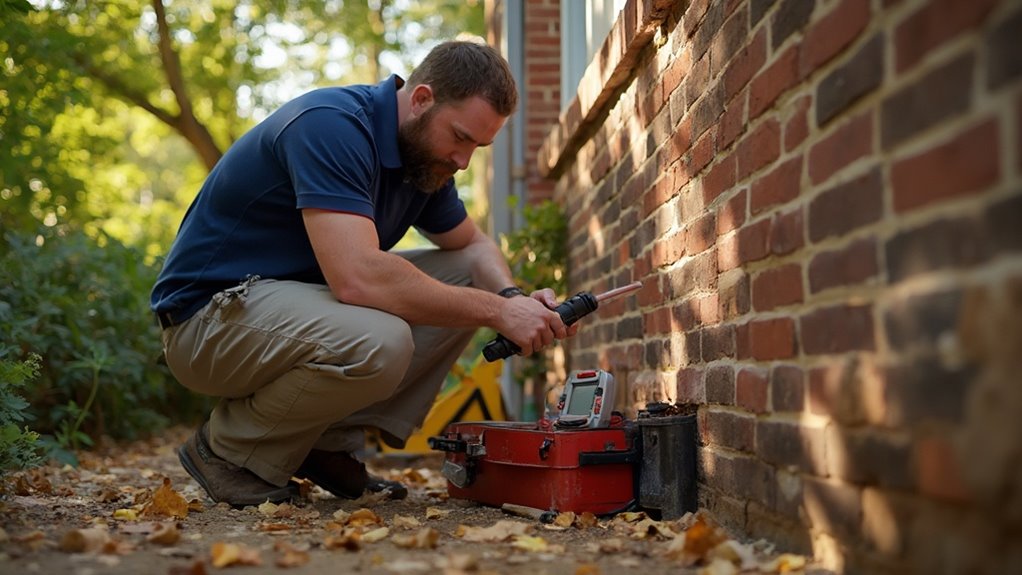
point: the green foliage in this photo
(82, 305)
(18, 447)
(537, 251)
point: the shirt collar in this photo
(385, 122)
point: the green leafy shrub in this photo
(18, 446)
(82, 304)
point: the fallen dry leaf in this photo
(587, 569)
(530, 543)
(198, 567)
(586, 520)
(458, 563)
(378, 534)
(564, 520)
(290, 556)
(348, 539)
(784, 563)
(425, 538)
(405, 522)
(164, 534)
(719, 567)
(224, 554)
(499, 531)
(436, 513)
(126, 514)
(363, 517)
(267, 508)
(167, 502)
(273, 527)
(89, 540)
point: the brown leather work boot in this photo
(223, 480)
(344, 476)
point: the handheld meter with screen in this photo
(587, 401)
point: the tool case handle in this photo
(608, 457)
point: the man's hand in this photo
(531, 323)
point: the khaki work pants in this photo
(296, 369)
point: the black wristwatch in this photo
(510, 292)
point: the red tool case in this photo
(540, 466)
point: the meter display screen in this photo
(582, 395)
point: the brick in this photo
(753, 479)
(766, 339)
(707, 30)
(1004, 60)
(701, 154)
(784, 444)
(969, 164)
(850, 390)
(886, 521)
(728, 41)
(777, 287)
(698, 273)
(845, 85)
(832, 34)
(837, 329)
(701, 234)
(681, 140)
(790, 534)
(1003, 230)
(761, 147)
(732, 122)
(690, 388)
(720, 385)
(939, 469)
(719, 179)
(731, 214)
(867, 455)
(787, 232)
(753, 242)
(846, 207)
(941, 95)
(707, 109)
(779, 186)
(751, 390)
(846, 144)
(791, 16)
(921, 320)
(776, 79)
(718, 342)
(923, 389)
(935, 23)
(733, 290)
(757, 9)
(796, 130)
(848, 266)
(730, 430)
(833, 507)
(787, 388)
(937, 245)
(745, 64)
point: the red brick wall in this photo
(823, 200)
(542, 87)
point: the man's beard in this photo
(422, 169)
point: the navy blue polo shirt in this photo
(333, 149)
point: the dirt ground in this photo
(117, 514)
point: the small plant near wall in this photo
(537, 254)
(18, 445)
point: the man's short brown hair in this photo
(458, 70)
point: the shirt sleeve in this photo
(330, 156)
(443, 211)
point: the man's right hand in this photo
(529, 323)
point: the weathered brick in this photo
(779, 186)
(707, 30)
(777, 287)
(1003, 228)
(629, 328)
(937, 245)
(789, 534)
(732, 122)
(939, 469)
(850, 390)
(787, 388)
(761, 147)
(718, 342)
(753, 241)
(720, 384)
(832, 33)
(847, 266)
(852, 80)
(937, 97)
(787, 231)
(731, 430)
(1004, 61)
(751, 390)
(766, 339)
(728, 41)
(783, 443)
(719, 179)
(707, 109)
(934, 24)
(757, 8)
(690, 387)
(702, 153)
(701, 234)
(833, 507)
(791, 16)
(870, 456)
(745, 64)
(731, 214)
(846, 207)
(921, 319)
(849, 142)
(838, 329)
(968, 164)
(796, 130)
(733, 288)
(924, 389)
(772, 82)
